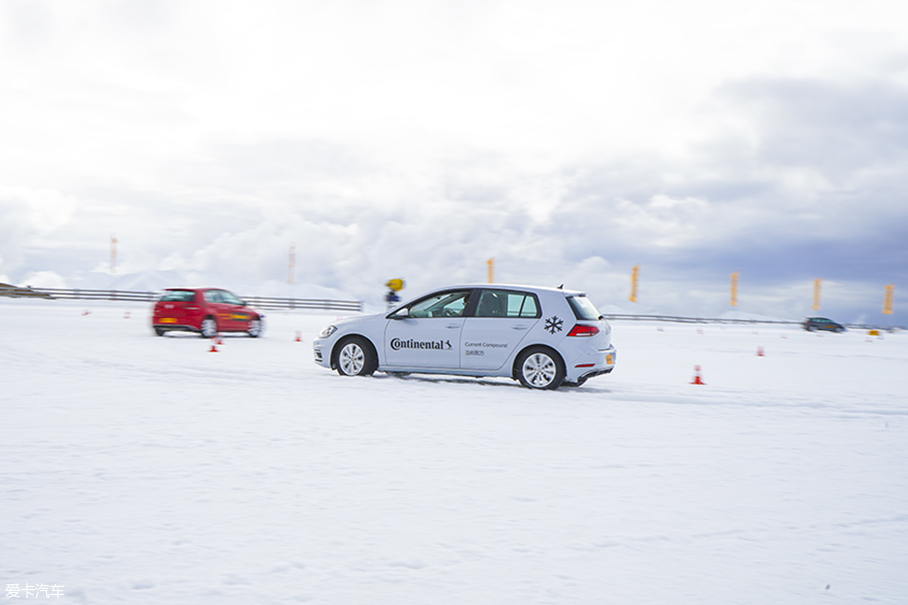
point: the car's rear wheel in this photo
(209, 328)
(159, 331)
(355, 357)
(255, 328)
(540, 368)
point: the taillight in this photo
(581, 330)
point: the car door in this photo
(426, 333)
(235, 310)
(499, 324)
(220, 309)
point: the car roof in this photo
(192, 289)
(511, 287)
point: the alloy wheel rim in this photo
(352, 359)
(208, 328)
(539, 370)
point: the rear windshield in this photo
(583, 308)
(178, 296)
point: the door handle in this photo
(453, 326)
(519, 327)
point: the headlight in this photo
(327, 331)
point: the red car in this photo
(206, 311)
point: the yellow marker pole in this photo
(634, 272)
(291, 264)
(816, 294)
(734, 289)
(113, 255)
(491, 264)
(888, 299)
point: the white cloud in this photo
(44, 279)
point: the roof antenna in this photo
(561, 287)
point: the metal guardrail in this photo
(720, 320)
(260, 302)
(696, 320)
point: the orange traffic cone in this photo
(299, 336)
(697, 379)
(760, 352)
(214, 348)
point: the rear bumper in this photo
(175, 328)
(590, 364)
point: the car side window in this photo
(507, 303)
(445, 304)
(230, 298)
(211, 296)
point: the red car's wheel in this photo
(255, 328)
(209, 328)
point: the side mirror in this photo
(401, 314)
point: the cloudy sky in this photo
(569, 140)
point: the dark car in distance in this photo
(812, 324)
(206, 311)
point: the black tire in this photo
(208, 328)
(355, 356)
(159, 331)
(255, 328)
(539, 368)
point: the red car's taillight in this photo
(581, 330)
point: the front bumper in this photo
(321, 350)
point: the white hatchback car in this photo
(543, 337)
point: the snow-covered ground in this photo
(137, 469)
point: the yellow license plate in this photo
(168, 320)
(609, 360)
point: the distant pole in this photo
(816, 294)
(734, 289)
(634, 273)
(491, 264)
(113, 255)
(888, 299)
(291, 264)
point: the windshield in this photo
(446, 304)
(178, 296)
(583, 308)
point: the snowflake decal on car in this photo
(553, 324)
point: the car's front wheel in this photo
(255, 328)
(355, 357)
(540, 368)
(209, 328)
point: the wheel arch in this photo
(533, 345)
(335, 349)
